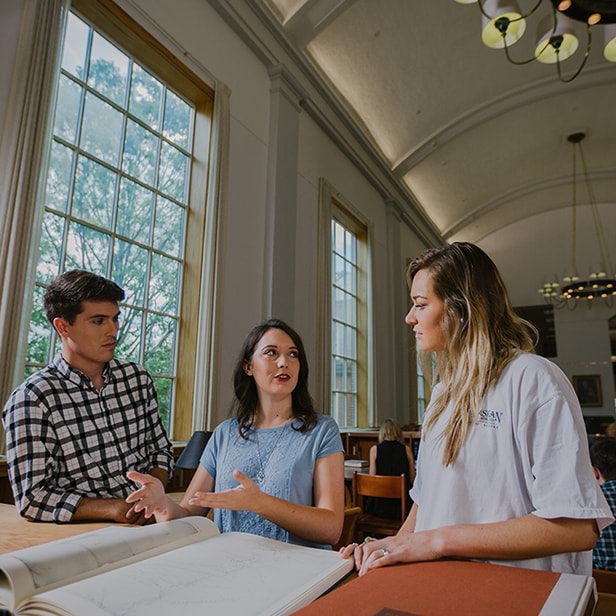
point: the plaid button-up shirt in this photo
(66, 440)
(604, 553)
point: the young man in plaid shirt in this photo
(603, 458)
(75, 428)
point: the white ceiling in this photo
(480, 143)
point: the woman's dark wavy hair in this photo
(245, 406)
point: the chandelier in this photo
(599, 286)
(503, 24)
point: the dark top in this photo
(391, 459)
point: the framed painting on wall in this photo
(588, 389)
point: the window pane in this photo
(343, 340)
(164, 395)
(145, 97)
(94, 193)
(108, 70)
(169, 227)
(351, 376)
(351, 410)
(350, 246)
(178, 119)
(338, 376)
(135, 211)
(67, 109)
(50, 248)
(344, 307)
(130, 271)
(101, 130)
(87, 249)
(75, 43)
(159, 338)
(164, 284)
(58, 177)
(338, 239)
(39, 335)
(140, 151)
(173, 172)
(339, 408)
(338, 274)
(350, 278)
(129, 339)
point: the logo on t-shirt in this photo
(489, 419)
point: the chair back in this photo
(348, 529)
(380, 486)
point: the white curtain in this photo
(206, 388)
(22, 154)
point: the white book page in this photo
(230, 574)
(24, 573)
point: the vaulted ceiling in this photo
(480, 143)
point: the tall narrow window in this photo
(117, 198)
(349, 321)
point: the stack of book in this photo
(352, 466)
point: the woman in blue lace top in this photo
(276, 467)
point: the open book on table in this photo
(180, 567)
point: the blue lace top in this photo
(287, 458)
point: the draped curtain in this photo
(23, 152)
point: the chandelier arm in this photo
(547, 42)
(518, 62)
(569, 79)
(573, 216)
(603, 249)
(520, 18)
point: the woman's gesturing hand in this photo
(244, 497)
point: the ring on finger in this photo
(369, 539)
(385, 552)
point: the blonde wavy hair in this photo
(483, 335)
(390, 430)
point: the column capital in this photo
(283, 82)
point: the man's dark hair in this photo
(66, 292)
(603, 457)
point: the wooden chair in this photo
(379, 486)
(605, 580)
(348, 529)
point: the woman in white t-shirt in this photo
(504, 473)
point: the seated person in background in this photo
(75, 428)
(603, 458)
(276, 468)
(611, 430)
(390, 457)
(504, 473)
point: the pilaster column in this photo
(281, 212)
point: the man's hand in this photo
(108, 509)
(149, 498)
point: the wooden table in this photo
(18, 533)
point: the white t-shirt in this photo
(527, 453)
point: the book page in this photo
(233, 573)
(26, 572)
